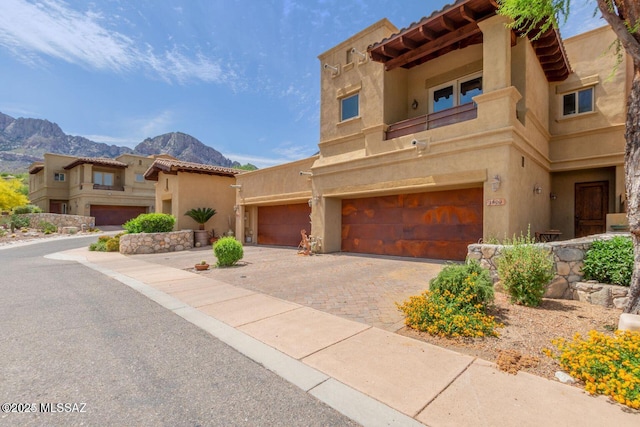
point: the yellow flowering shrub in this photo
(450, 314)
(608, 365)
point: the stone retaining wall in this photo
(568, 257)
(61, 220)
(151, 243)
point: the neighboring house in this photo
(181, 186)
(111, 190)
(451, 130)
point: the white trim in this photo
(456, 89)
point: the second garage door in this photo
(436, 225)
(115, 215)
(280, 225)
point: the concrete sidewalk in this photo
(373, 376)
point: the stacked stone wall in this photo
(83, 223)
(568, 283)
(151, 243)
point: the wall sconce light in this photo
(553, 196)
(420, 145)
(333, 68)
(495, 183)
(306, 173)
(414, 104)
(312, 201)
(537, 189)
(86, 206)
(355, 51)
(238, 186)
(236, 208)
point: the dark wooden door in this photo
(592, 202)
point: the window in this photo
(455, 93)
(139, 177)
(58, 177)
(577, 102)
(103, 178)
(349, 107)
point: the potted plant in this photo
(201, 216)
(202, 266)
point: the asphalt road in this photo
(75, 340)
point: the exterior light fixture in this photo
(414, 104)
(495, 183)
(537, 189)
(306, 173)
(238, 186)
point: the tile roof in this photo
(171, 166)
(101, 161)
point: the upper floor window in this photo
(349, 107)
(455, 93)
(103, 178)
(578, 102)
(139, 177)
(59, 177)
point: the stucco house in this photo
(451, 130)
(111, 190)
(181, 186)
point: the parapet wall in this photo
(568, 259)
(151, 243)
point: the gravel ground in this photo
(527, 330)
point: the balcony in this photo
(431, 121)
(107, 187)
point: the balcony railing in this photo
(431, 121)
(107, 187)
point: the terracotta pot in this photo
(201, 267)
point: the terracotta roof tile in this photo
(102, 161)
(171, 166)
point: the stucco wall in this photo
(186, 191)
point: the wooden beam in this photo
(426, 33)
(544, 42)
(407, 43)
(494, 3)
(468, 30)
(550, 59)
(468, 13)
(389, 51)
(548, 51)
(447, 23)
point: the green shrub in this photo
(19, 221)
(150, 223)
(106, 244)
(228, 251)
(456, 278)
(610, 261)
(201, 215)
(524, 270)
(455, 305)
(47, 227)
(26, 209)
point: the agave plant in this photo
(201, 215)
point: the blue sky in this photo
(241, 76)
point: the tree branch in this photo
(631, 45)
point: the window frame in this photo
(576, 106)
(59, 177)
(342, 109)
(455, 84)
(102, 175)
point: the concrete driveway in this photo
(357, 287)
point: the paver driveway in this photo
(357, 287)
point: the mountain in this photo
(24, 140)
(183, 147)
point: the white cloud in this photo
(52, 29)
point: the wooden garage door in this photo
(280, 225)
(115, 215)
(436, 225)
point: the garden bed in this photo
(527, 330)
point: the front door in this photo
(592, 201)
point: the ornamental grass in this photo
(608, 365)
